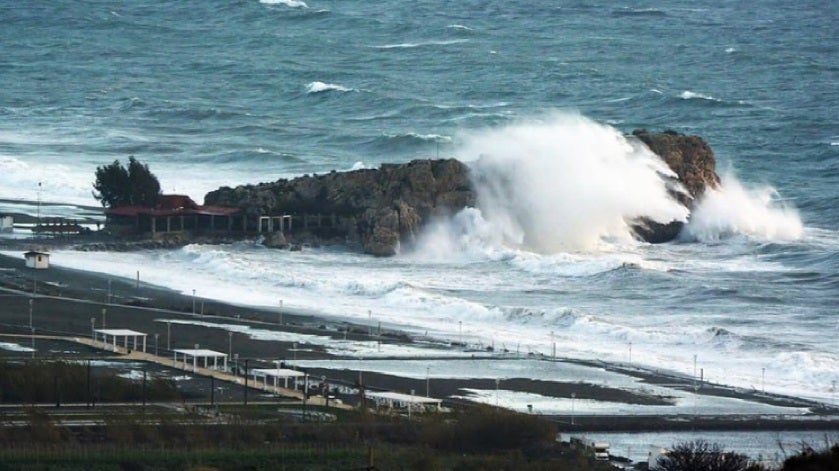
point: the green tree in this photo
(117, 185)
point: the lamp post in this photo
(168, 335)
(33, 342)
(370, 317)
(427, 381)
(109, 291)
(497, 383)
(763, 380)
(460, 332)
(294, 350)
(93, 330)
(104, 313)
(281, 312)
(193, 301)
(156, 335)
(573, 397)
(230, 344)
(30, 312)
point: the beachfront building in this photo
(173, 213)
(276, 374)
(37, 260)
(7, 223)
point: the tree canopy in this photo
(135, 185)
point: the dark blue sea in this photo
(217, 92)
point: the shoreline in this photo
(67, 299)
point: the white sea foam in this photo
(736, 210)
(730, 50)
(421, 44)
(689, 95)
(14, 347)
(288, 3)
(460, 27)
(565, 183)
(318, 87)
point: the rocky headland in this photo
(380, 209)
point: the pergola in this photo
(119, 335)
(391, 399)
(196, 353)
(276, 373)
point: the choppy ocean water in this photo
(219, 93)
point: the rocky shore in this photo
(382, 209)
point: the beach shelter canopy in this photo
(276, 373)
(392, 399)
(196, 353)
(120, 335)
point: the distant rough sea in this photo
(214, 92)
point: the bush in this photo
(700, 455)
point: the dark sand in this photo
(66, 300)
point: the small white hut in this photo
(7, 223)
(37, 260)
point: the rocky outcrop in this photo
(694, 164)
(378, 208)
(383, 208)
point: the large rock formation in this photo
(377, 208)
(382, 208)
(693, 162)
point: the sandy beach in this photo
(64, 302)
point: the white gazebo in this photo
(195, 353)
(117, 336)
(276, 374)
(402, 401)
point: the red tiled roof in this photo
(172, 205)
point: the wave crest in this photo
(734, 210)
(319, 87)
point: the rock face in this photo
(694, 164)
(380, 209)
(376, 208)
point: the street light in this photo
(30, 312)
(763, 380)
(230, 344)
(156, 335)
(427, 381)
(281, 312)
(168, 335)
(573, 397)
(193, 301)
(93, 330)
(33, 342)
(104, 312)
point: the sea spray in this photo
(735, 210)
(566, 183)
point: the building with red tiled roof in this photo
(173, 213)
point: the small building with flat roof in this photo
(37, 260)
(392, 399)
(276, 374)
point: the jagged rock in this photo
(379, 209)
(694, 164)
(275, 240)
(375, 208)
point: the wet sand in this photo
(64, 302)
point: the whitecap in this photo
(288, 3)
(421, 44)
(318, 87)
(460, 27)
(730, 50)
(689, 95)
